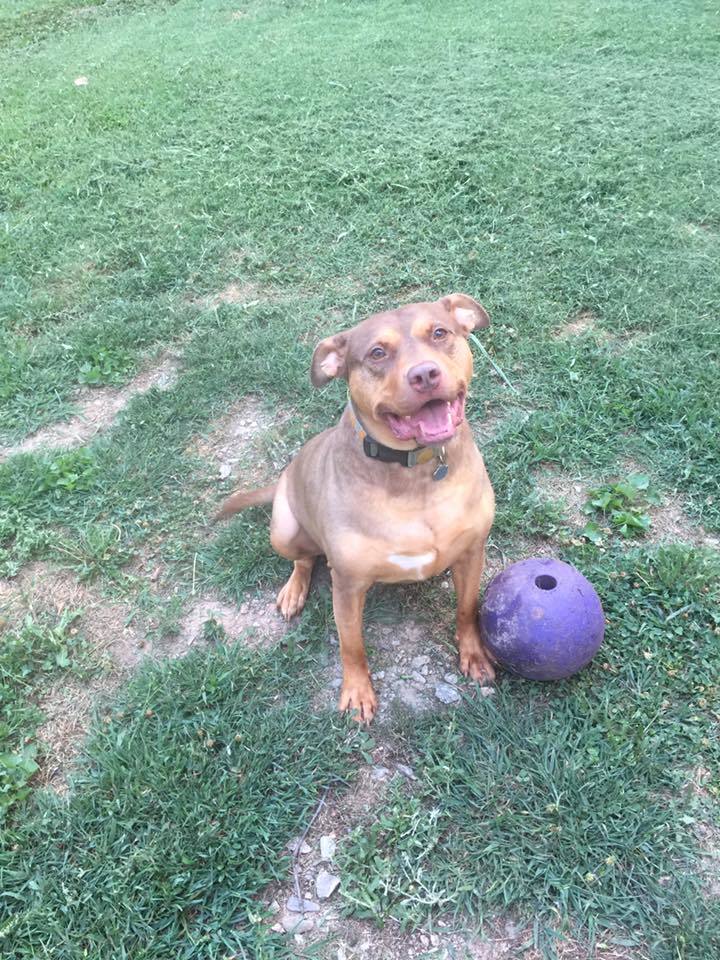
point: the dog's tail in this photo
(246, 498)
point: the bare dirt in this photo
(552, 483)
(256, 621)
(97, 409)
(582, 322)
(238, 443)
(116, 644)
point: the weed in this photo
(623, 504)
(102, 366)
(29, 655)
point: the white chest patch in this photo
(412, 563)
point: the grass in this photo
(564, 803)
(32, 654)
(194, 785)
(332, 159)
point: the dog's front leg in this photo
(357, 694)
(467, 573)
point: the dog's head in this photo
(408, 370)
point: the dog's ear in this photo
(328, 361)
(467, 313)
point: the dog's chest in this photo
(415, 540)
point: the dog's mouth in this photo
(435, 422)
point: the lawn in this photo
(191, 195)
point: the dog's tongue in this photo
(431, 424)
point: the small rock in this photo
(434, 940)
(406, 771)
(336, 683)
(419, 662)
(380, 773)
(424, 940)
(511, 930)
(326, 884)
(380, 675)
(451, 678)
(81, 81)
(298, 905)
(298, 847)
(291, 923)
(445, 585)
(487, 691)
(446, 693)
(418, 677)
(225, 471)
(278, 928)
(274, 907)
(327, 847)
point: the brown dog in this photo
(397, 491)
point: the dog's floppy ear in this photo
(467, 313)
(328, 361)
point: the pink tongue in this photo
(433, 422)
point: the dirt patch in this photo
(582, 322)
(255, 620)
(669, 523)
(240, 443)
(116, 645)
(97, 408)
(242, 293)
(114, 637)
(552, 483)
(69, 707)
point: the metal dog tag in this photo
(441, 470)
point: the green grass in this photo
(564, 803)
(201, 775)
(337, 158)
(34, 652)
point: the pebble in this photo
(327, 847)
(451, 678)
(419, 662)
(406, 771)
(296, 847)
(380, 773)
(380, 675)
(225, 471)
(274, 907)
(298, 905)
(291, 923)
(418, 677)
(326, 884)
(487, 691)
(446, 693)
(336, 684)
(424, 940)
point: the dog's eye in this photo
(439, 333)
(377, 353)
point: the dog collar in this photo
(406, 458)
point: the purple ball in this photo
(542, 619)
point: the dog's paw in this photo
(292, 597)
(358, 697)
(476, 665)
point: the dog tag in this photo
(441, 470)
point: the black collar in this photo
(406, 458)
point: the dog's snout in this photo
(424, 377)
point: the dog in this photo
(397, 491)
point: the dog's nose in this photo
(424, 377)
